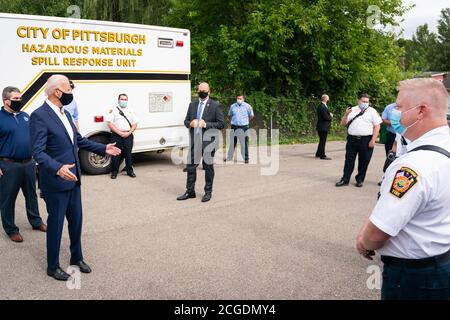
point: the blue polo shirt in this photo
(15, 140)
(240, 114)
(386, 115)
(73, 110)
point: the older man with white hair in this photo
(410, 224)
(55, 142)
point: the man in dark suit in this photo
(324, 117)
(55, 142)
(205, 120)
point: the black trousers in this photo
(357, 146)
(18, 176)
(390, 139)
(126, 145)
(238, 132)
(320, 153)
(199, 150)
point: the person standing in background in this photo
(241, 113)
(324, 117)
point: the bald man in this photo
(410, 224)
(55, 142)
(204, 119)
(324, 117)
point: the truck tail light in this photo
(180, 44)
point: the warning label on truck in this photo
(160, 102)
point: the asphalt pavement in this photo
(290, 235)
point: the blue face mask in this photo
(364, 106)
(123, 104)
(395, 117)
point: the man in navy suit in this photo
(204, 119)
(55, 142)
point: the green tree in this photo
(420, 52)
(285, 53)
(149, 12)
(42, 7)
(444, 40)
(281, 47)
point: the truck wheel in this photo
(94, 164)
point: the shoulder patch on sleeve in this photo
(110, 110)
(404, 180)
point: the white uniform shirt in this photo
(401, 148)
(363, 125)
(62, 116)
(119, 121)
(414, 206)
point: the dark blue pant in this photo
(357, 147)
(18, 176)
(238, 132)
(402, 283)
(390, 139)
(60, 205)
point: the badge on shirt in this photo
(404, 180)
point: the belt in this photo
(359, 137)
(416, 263)
(15, 160)
(115, 134)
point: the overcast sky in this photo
(425, 11)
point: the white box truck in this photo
(150, 64)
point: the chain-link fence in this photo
(292, 119)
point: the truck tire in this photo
(95, 164)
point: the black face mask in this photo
(16, 105)
(202, 94)
(66, 98)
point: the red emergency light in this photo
(98, 119)
(180, 44)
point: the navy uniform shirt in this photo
(15, 135)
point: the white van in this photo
(150, 64)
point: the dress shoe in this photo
(186, 196)
(84, 268)
(359, 184)
(114, 175)
(325, 158)
(42, 228)
(206, 197)
(341, 183)
(16, 237)
(185, 169)
(131, 174)
(58, 274)
(246, 161)
(379, 183)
